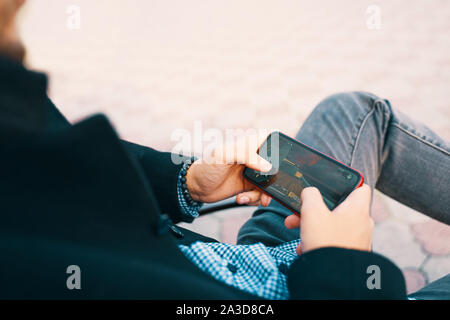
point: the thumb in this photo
(244, 151)
(312, 202)
(258, 163)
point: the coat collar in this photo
(23, 96)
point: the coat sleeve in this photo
(336, 273)
(162, 174)
(160, 170)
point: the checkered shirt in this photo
(256, 268)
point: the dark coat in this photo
(78, 195)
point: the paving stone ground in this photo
(155, 67)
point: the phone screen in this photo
(296, 166)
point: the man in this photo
(76, 197)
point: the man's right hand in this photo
(348, 226)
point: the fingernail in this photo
(244, 199)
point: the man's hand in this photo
(348, 226)
(220, 175)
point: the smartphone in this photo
(296, 166)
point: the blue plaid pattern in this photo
(256, 268)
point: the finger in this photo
(361, 195)
(253, 160)
(359, 198)
(312, 202)
(265, 200)
(372, 225)
(255, 204)
(298, 250)
(244, 151)
(248, 197)
(292, 221)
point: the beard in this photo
(13, 49)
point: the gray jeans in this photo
(400, 157)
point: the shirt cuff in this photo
(189, 212)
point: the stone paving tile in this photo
(436, 267)
(414, 279)
(231, 222)
(434, 236)
(208, 226)
(403, 213)
(394, 240)
(155, 67)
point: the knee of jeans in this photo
(347, 103)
